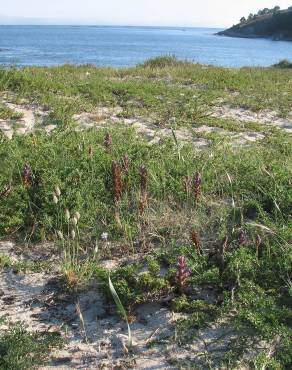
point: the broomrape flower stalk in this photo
(196, 241)
(74, 221)
(27, 175)
(143, 187)
(197, 181)
(117, 182)
(108, 141)
(182, 274)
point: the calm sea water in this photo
(127, 46)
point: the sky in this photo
(185, 13)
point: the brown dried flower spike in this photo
(197, 181)
(182, 274)
(143, 187)
(196, 241)
(108, 141)
(117, 182)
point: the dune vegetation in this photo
(191, 214)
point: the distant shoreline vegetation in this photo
(274, 23)
(159, 62)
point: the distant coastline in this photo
(121, 46)
(274, 25)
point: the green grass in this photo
(21, 350)
(7, 113)
(244, 189)
(153, 89)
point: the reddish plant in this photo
(27, 175)
(108, 141)
(117, 182)
(182, 274)
(196, 241)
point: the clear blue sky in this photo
(211, 13)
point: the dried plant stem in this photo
(79, 312)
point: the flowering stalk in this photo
(182, 274)
(108, 141)
(196, 241)
(197, 181)
(143, 188)
(117, 182)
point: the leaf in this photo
(121, 310)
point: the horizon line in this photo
(106, 25)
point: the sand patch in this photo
(41, 303)
(262, 117)
(31, 117)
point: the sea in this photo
(117, 46)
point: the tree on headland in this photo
(262, 12)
